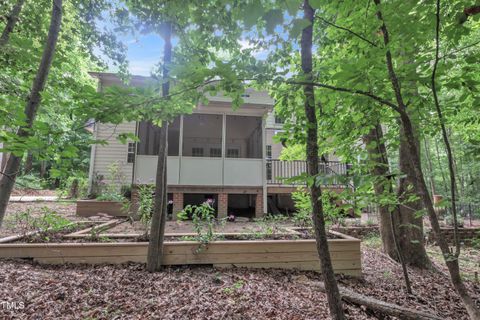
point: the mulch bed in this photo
(129, 292)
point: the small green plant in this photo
(47, 222)
(234, 287)
(303, 216)
(51, 220)
(145, 204)
(270, 225)
(203, 218)
(372, 240)
(75, 186)
(111, 191)
(30, 181)
(93, 234)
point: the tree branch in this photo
(347, 30)
(351, 91)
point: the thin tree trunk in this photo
(13, 164)
(333, 295)
(388, 226)
(27, 168)
(444, 180)
(11, 22)
(451, 164)
(157, 229)
(430, 166)
(421, 186)
(380, 169)
(43, 169)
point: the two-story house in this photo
(215, 152)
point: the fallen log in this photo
(379, 306)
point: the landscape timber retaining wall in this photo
(285, 254)
(87, 208)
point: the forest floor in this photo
(129, 292)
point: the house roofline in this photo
(108, 78)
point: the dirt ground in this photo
(129, 292)
(15, 223)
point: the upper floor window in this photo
(131, 152)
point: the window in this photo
(269, 151)
(131, 152)
(233, 153)
(278, 120)
(197, 152)
(215, 152)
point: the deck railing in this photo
(281, 172)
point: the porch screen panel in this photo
(149, 135)
(244, 137)
(202, 135)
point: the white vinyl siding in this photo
(114, 151)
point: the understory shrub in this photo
(112, 190)
(47, 220)
(30, 181)
(145, 204)
(303, 216)
(334, 211)
(203, 219)
(73, 187)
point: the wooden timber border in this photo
(87, 208)
(284, 254)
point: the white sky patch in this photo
(142, 67)
(257, 52)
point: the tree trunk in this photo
(13, 163)
(333, 295)
(444, 180)
(446, 141)
(410, 222)
(157, 228)
(43, 169)
(412, 151)
(388, 217)
(428, 159)
(11, 22)
(378, 155)
(27, 168)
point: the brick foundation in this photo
(177, 204)
(259, 210)
(222, 205)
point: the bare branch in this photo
(347, 30)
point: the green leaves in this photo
(297, 26)
(253, 11)
(273, 18)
